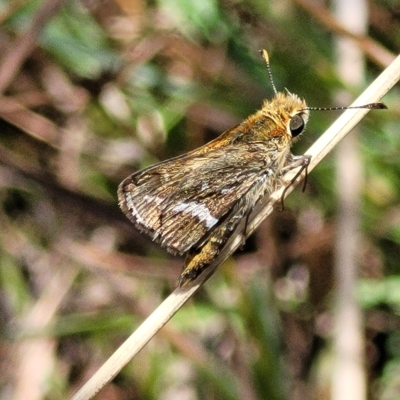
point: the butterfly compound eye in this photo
(296, 125)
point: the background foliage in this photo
(93, 91)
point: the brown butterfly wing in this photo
(180, 201)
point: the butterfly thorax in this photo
(269, 126)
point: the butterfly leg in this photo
(300, 162)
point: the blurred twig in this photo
(23, 46)
(348, 372)
(377, 53)
(34, 358)
(32, 123)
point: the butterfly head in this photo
(289, 114)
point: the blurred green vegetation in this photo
(111, 87)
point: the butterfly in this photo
(193, 204)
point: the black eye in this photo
(296, 125)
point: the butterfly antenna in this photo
(265, 56)
(371, 106)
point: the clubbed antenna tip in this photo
(378, 106)
(265, 56)
(370, 106)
